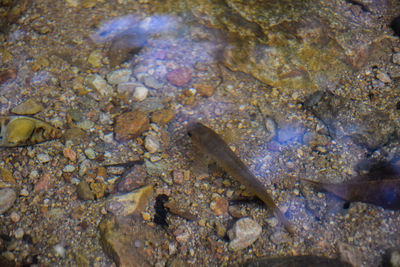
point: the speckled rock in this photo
(132, 178)
(152, 143)
(130, 125)
(219, 205)
(244, 233)
(28, 107)
(180, 77)
(7, 199)
(130, 203)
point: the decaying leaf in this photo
(23, 130)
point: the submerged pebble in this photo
(119, 76)
(7, 199)
(244, 233)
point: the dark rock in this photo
(133, 178)
(84, 191)
(350, 118)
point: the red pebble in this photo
(180, 77)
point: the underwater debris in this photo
(384, 193)
(23, 131)
(210, 143)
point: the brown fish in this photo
(210, 143)
(384, 193)
(23, 130)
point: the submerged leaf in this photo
(384, 193)
(22, 131)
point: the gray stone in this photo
(119, 76)
(244, 233)
(152, 143)
(152, 82)
(7, 199)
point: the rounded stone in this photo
(7, 199)
(244, 233)
(140, 93)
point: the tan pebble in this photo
(69, 154)
(15, 217)
(28, 107)
(6, 176)
(204, 90)
(178, 177)
(146, 216)
(219, 206)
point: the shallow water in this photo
(302, 90)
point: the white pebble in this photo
(15, 217)
(244, 233)
(152, 143)
(68, 168)
(140, 93)
(19, 233)
(43, 158)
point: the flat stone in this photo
(244, 233)
(43, 157)
(29, 107)
(163, 116)
(7, 199)
(130, 203)
(130, 125)
(152, 82)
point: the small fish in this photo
(210, 143)
(23, 130)
(384, 193)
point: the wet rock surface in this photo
(298, 89)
